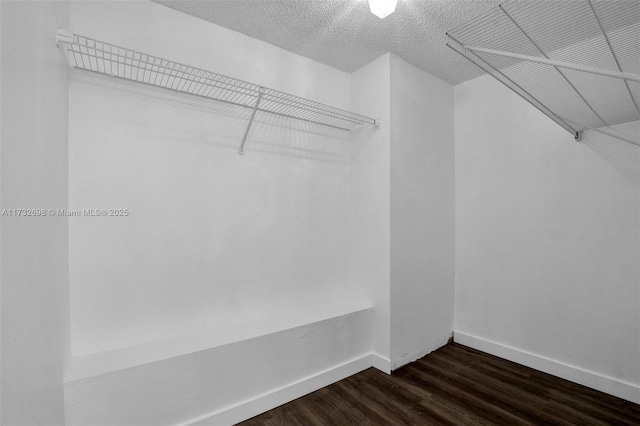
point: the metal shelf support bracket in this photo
(63, 36)
(610, 133)
(253, 115)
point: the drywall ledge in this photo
(610, 385)
(118, 359)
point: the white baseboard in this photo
(610, 385)
(259, 404)
(381, 363)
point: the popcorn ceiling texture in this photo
(345, 34)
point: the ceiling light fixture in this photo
(382, 8)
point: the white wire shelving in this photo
(576, 61)
(104, 58)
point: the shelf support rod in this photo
(561, 64)
(613, 52)
(476, 59)
(253, 115)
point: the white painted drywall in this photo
(547, 235)
(34, 274)
(212, 237)
(1, 204)
(422, 212)
(371, 200)
(133, 356)
(205, 384)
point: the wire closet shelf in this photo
(104, 58)
(576, 61)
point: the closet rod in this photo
(561, 64)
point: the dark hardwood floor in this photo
(454, 385)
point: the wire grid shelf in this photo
(576, 61)
(103, 58)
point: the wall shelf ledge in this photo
(95, 364)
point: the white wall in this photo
(34, 275)
(402, 209)
(212, 237)
(1, 204)
(422, 212)
(371, 201)
(547, 240)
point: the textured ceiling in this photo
(345, 34)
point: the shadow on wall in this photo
(190, 119)
(286, 136)
(622, 156)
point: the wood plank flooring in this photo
(454, 385)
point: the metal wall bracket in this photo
(63, 36)
(606, 132)
(253, 115)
